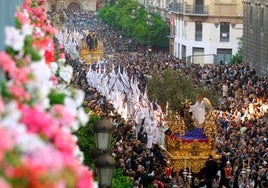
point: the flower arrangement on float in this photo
(39, 110)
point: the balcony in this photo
(196, 10)
(175, 7)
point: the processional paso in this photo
(190, 139)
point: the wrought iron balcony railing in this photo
(196, 9)
(189, 9)
(176, 7)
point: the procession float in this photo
(190, 139)
(90, 48)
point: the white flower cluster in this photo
(39, 87)
(15, 37)
(75, 97)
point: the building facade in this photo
(255, 35)
(160, 7)
(205, 31)
(73, 5)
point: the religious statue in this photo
(200, 109)
(92, 41)
(187, 115)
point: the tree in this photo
(120, 180)
(172, 87)
(118, 16)
(86, 140)
(237, 57)
(86, 143)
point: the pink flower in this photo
(21, 75)
(86, 178)
(49, 29)
(7, 63)
(64, 141)
(6, 142)
(2, 105)
(64, 116)
(54, 79)
(18, 92)
(4, 184)
(27, 3)
(39, 158)
(39, 121)
(62, 55)
(22, 18)
(47, 45)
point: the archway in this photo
(74, 7)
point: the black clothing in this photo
(142, 136)
(211, 169)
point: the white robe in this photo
(150, 135)
(199, 112)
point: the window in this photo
(198, 31)
(183, 52)
(184, 29)
(225, 32)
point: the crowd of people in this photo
(242, 136)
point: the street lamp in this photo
(105, 164)
(149, 24)
(133, 17)
(105, 169)
(133, 13)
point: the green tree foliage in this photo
(86, 143)
(118, 16)
(172, 87)
(86, 140)
(120, 180)
(237, 58)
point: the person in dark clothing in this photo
(142, 135)
(211, 169)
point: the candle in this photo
(184, 163)
(189, 169)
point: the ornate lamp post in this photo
(133, 14)
(133, 17)
(149, 24)
(105, 163)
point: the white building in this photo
(205, 31)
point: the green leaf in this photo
(56, 98)
(17, 23)
(4, 91)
